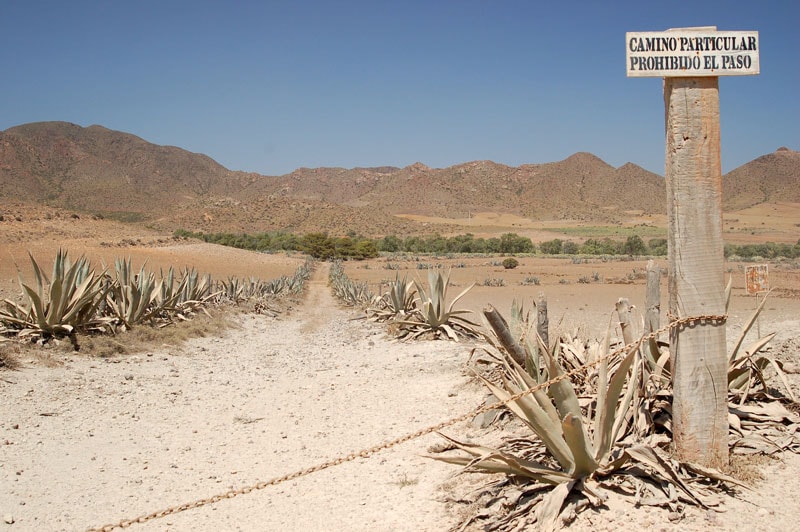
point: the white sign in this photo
(693, 53)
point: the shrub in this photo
(510, 263)
(551, 247)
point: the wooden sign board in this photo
(757, 278)
(691, 53)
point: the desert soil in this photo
(86, 441)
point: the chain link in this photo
(678, 323)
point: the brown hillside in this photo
(99, 171)
(769, 179)
(95, 169)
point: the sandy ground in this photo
(90, 441)
(86, 441)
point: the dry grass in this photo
(748, 468)
(144, 338)
(9, 354)
(137, 340)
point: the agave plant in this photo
(434, 315)
(397, 302)
(234, 290)
(132, 297)
(349, 292)
(584, 451)
(745, 368)
(59, 305)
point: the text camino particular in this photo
(691, 44)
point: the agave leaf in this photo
(39, 276)
(548, 510)
(782, 376)
(37, 307)
(542, 424)
(539, 397)
(56, 302)
(710, 472)
(746, 329)
(498, 461)
(753, 348)
(563, 393)
(455, 300)
(582, 452)
(450, 332)
(611, 411)
(602, 395)
(646, 455)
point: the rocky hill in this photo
(115, 174)
(768, 179)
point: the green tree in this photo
(551, 247)
(390, 244)
(513, 243)
(570, 248)
(657, 246)
(634, 245)
(366, 249)
(318, 245)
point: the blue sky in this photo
(272, 86)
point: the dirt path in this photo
(94, 441)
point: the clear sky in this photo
(269, 86)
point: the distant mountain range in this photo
(115, 174)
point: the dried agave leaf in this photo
(714, 474)
(772, 411)
(646, 455)
(548, 510)
(748, 325)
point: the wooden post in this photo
(625, 322)
(696, 269)
(690, 60)
(652, 302)
(542, 321)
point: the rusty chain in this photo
(366, 453)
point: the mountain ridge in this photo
(112, 173)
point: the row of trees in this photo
(352, 246)
(769, 250)
(507, 243)
(318, 245)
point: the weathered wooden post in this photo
(542, 320)
(690, 61)
(652, 301)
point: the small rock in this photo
(8, 518)
(674, 517)
(129, 376)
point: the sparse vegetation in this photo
(76, 299)
(612, 438)
(628, 241)
(433, 315)
(412, 309)
(351, 293)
